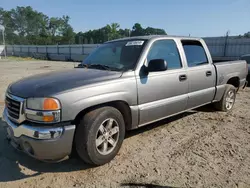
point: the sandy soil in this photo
(200, 148)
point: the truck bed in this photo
(231, 70)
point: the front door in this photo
(161, 94)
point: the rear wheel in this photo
(99, 135)
(228, 99)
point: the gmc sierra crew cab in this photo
(122, 85)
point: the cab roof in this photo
(149, 37)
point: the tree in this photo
(137, 30)
(154, 31)
(124, 32)
(7, 22)
(24, 25)
(66, 31)
(91, 41)
(247, 34)
(114, 34)
(85, 41)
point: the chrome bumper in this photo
(41, 142)
(32, 131)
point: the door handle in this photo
(183, 77)
(208, 73)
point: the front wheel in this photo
(99, 135)
(228, 99)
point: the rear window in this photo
(195, 53)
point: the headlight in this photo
(43, 110)
(43, 104)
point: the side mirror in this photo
(156, 65)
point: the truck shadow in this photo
(144, 185)
(14, 163)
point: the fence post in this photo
(13, 50)
(5, 51)
(82, 50)
(46, 51)
(28, 51)
(20, 51)
(70, 52)
(57, 49)
(225, 46)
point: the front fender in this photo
(85, 103)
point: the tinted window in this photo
(167, 50)
(195, 53)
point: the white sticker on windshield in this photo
(135, 43)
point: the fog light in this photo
(28, 148)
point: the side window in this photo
(195, 53)
(167, 50)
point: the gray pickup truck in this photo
(122, 85)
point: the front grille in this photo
(13, 107)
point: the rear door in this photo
(201, 74)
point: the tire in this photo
(222, 105)
(90, 129)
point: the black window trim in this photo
(195, 41)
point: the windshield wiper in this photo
(103, 67)
(82, 65)
(97, 66)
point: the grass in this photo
(15, 58)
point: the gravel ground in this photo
(200, 148)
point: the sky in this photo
(201, 18)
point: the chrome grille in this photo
(13, 107)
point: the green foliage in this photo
(247, 34)
(24, 25)
(113, 31)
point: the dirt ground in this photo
(200, 148)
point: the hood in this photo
(48, 84)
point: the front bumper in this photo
(41, 142)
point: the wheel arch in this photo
(235, 81)
(120, 105)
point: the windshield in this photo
(120, 55)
